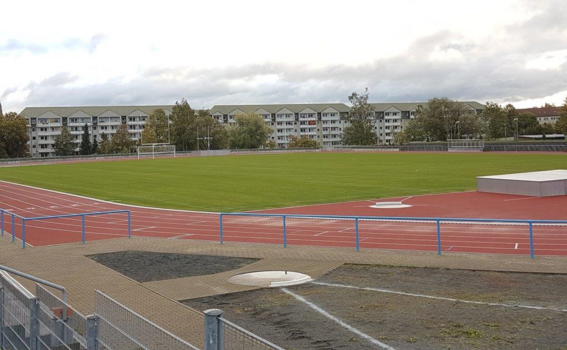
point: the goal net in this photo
(155, 149)
(466, 145)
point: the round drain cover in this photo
(270, 278)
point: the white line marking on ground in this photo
(451, 247)
(30, 208)
(519, 199)
(516, 247)
(144, 228)
(195, 222)
(346, 229)
(334, 319)
(438, 298)
(181, 236)
(320, 233)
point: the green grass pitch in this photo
(237, 183)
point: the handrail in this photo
(37, 280)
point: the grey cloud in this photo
(16, 45)
(91, 45)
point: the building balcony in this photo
(328, 118)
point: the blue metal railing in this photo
(356, 219)
(63, 216)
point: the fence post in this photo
(2, 211)
(129, 224)
(34, 323)
(356, 234)
(284, 233)
(91, 332)
(13, 228)
(83, 228)
(213, 329)
(531, 240)
(220, 232)
(1, 316)
(438, 236)
(23, 233)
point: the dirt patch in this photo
(403, 321)
(150, 266)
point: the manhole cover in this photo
(270, 278)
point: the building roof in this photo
(295, 108)
(33, 112)
(408, 106)
(542, 111)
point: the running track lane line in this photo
(337, 320)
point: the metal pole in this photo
(83, 230)
(438, 237)
(2, 213)
(168, 134)
(213, 329)
(1, 316)
(356, 234)
(91, 332)
(284, 233)
(220, 223)
(13, 228)
(34, 323)
(531, 240)
(23, 233)
(129, 225)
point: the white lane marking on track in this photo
(181, 236)
(337, 320)
(144, 228)
(516, 247)
(451, 247)
(195, 222)
(320, 233)
(52, 206)
(30, 208)
(346, 229)
(388, 291)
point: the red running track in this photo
(174, 224)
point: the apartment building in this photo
(323, 122)
(544, 115)
(44, 123)
(320, 121)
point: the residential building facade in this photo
(322, 122)
(45, 123)
(544, 115)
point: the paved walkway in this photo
(68, 265)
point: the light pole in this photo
(168, 135)
(517, 129)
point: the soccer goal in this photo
(155, 149)
(466, 145)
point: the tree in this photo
(85, 147)
(105, 145)
(360, 130)
(401, 138)
(301, 142)
(13, 136)
(156, 128)
(443, 118)
(64, 143)
(497, 120)
(190, 130)
(94, 148)
(250, 131)
(121, 142)
(561, 124)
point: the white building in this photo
(44, 123)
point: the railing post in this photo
(23, 233)
(34, 323)
(531, 240)
(13, 228)
(213, 329)
(92, 332)
(438, 236)
(284, 233)
(356, 234)
(129, 224)
(220, 225)
(83, 228)
(2, 211)
(1, 316)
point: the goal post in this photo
(155, 149)
(465, 145)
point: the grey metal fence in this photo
(120, 328)
(15, 308)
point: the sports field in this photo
(238, 183)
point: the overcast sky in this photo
(64, 53)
